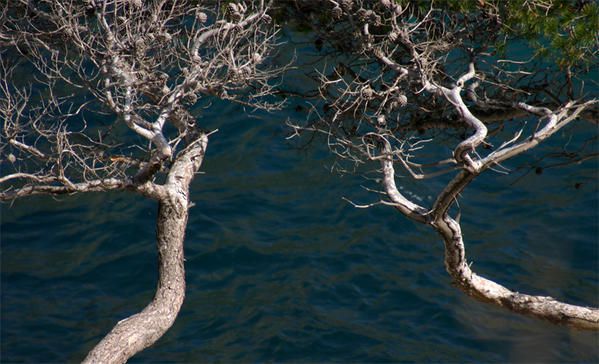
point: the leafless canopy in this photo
(415, 72)
(99, 95)
(107, 95)
(142, 66)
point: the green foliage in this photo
(566, 31)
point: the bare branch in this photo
(113, 85)
(545, 308)
(143, 329)
(403, 81)
(405, 206)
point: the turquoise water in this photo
(281, 269)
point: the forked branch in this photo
(484, 289)
(404, 83)
(141, 330)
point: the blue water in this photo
(281, 269)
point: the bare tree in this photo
(400, 74)
(105, 95)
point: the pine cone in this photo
(201, 17)
(266, 19)
(398, 10)
(232, 8)
(346, 5)
(367, 92)
(336, 13)
(362, 14)
(234, 12)
(190, 99)
(402, 100)
(386, 3)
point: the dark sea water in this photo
(281, 269)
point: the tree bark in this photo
(483, 289)
(143, 329)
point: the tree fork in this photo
(143, 329)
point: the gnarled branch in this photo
(141, 330)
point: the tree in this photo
(114, 89)
(408, 74)
(110, 102)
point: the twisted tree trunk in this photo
(486, 290)
(143, 329)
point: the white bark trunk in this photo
(542, 307)
(486, 290)
(143, 329)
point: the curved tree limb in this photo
(453, 96)
(147, 64)
(100, 185)
(556, 120)
(400, 85)
(486, 290)
(143, 329)
(483, 289)
(405, 206)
